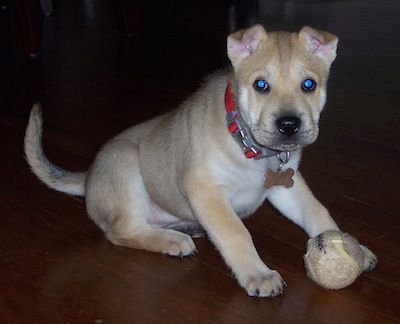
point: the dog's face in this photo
(281, 83)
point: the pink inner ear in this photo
(249, 42)
(317, 47)
(245, 46)
(315, 44)
(237, 48)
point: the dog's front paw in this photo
(268, 283)
(370, 259)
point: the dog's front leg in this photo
(232, 239)
(300, 205)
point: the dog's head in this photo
(281, 83)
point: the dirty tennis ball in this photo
(334, 259)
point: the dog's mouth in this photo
(278, 142)
(285, 147)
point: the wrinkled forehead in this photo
(283, 56)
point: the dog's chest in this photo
(244, 189)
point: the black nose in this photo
(288, 125)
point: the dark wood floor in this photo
(55, 264)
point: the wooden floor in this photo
(55, 264)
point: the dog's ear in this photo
(244, 42)
(320, 43)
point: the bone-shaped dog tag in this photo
(279, 178)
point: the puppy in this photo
(213, 161)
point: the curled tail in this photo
(72, 183)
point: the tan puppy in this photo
(184, 171)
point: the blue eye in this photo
(308, 85)
(261, 86)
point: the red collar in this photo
(237, 128)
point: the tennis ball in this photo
(334, 259)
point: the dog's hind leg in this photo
(161, 240)
(118, 202)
